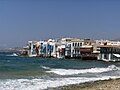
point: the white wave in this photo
(113, 67)
(44, 67)
(14, 54)
(39, 84)
(82, 71)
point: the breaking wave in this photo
(40, 84)
(14, 54)
(82, 71)
(44, 67)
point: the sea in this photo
(35, 73)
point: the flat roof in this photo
(108, 46)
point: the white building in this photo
(52, 47)
(33, 48)
(72, 46)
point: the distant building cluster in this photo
(74, 48)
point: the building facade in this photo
(75, 48)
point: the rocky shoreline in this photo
(111, 84)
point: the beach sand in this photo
(112, 84)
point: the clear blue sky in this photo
(23, 20)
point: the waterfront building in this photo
(87, 53)
(72, 47)
(24, 51)
(42, 48)
(108, 50)
(109, 53)
(33, 48)
(51, 47)
(66, 42)
(61, 51)
(89, 50)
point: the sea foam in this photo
(40, 84)
(82, 71)
(52, 82)
(44, 67)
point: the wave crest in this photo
(82, 71)
(44, 67)
(40, 84)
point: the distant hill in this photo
(118, 39)
(10, 50)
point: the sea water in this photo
(25, 73)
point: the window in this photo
(80, 44)
(73, 44)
